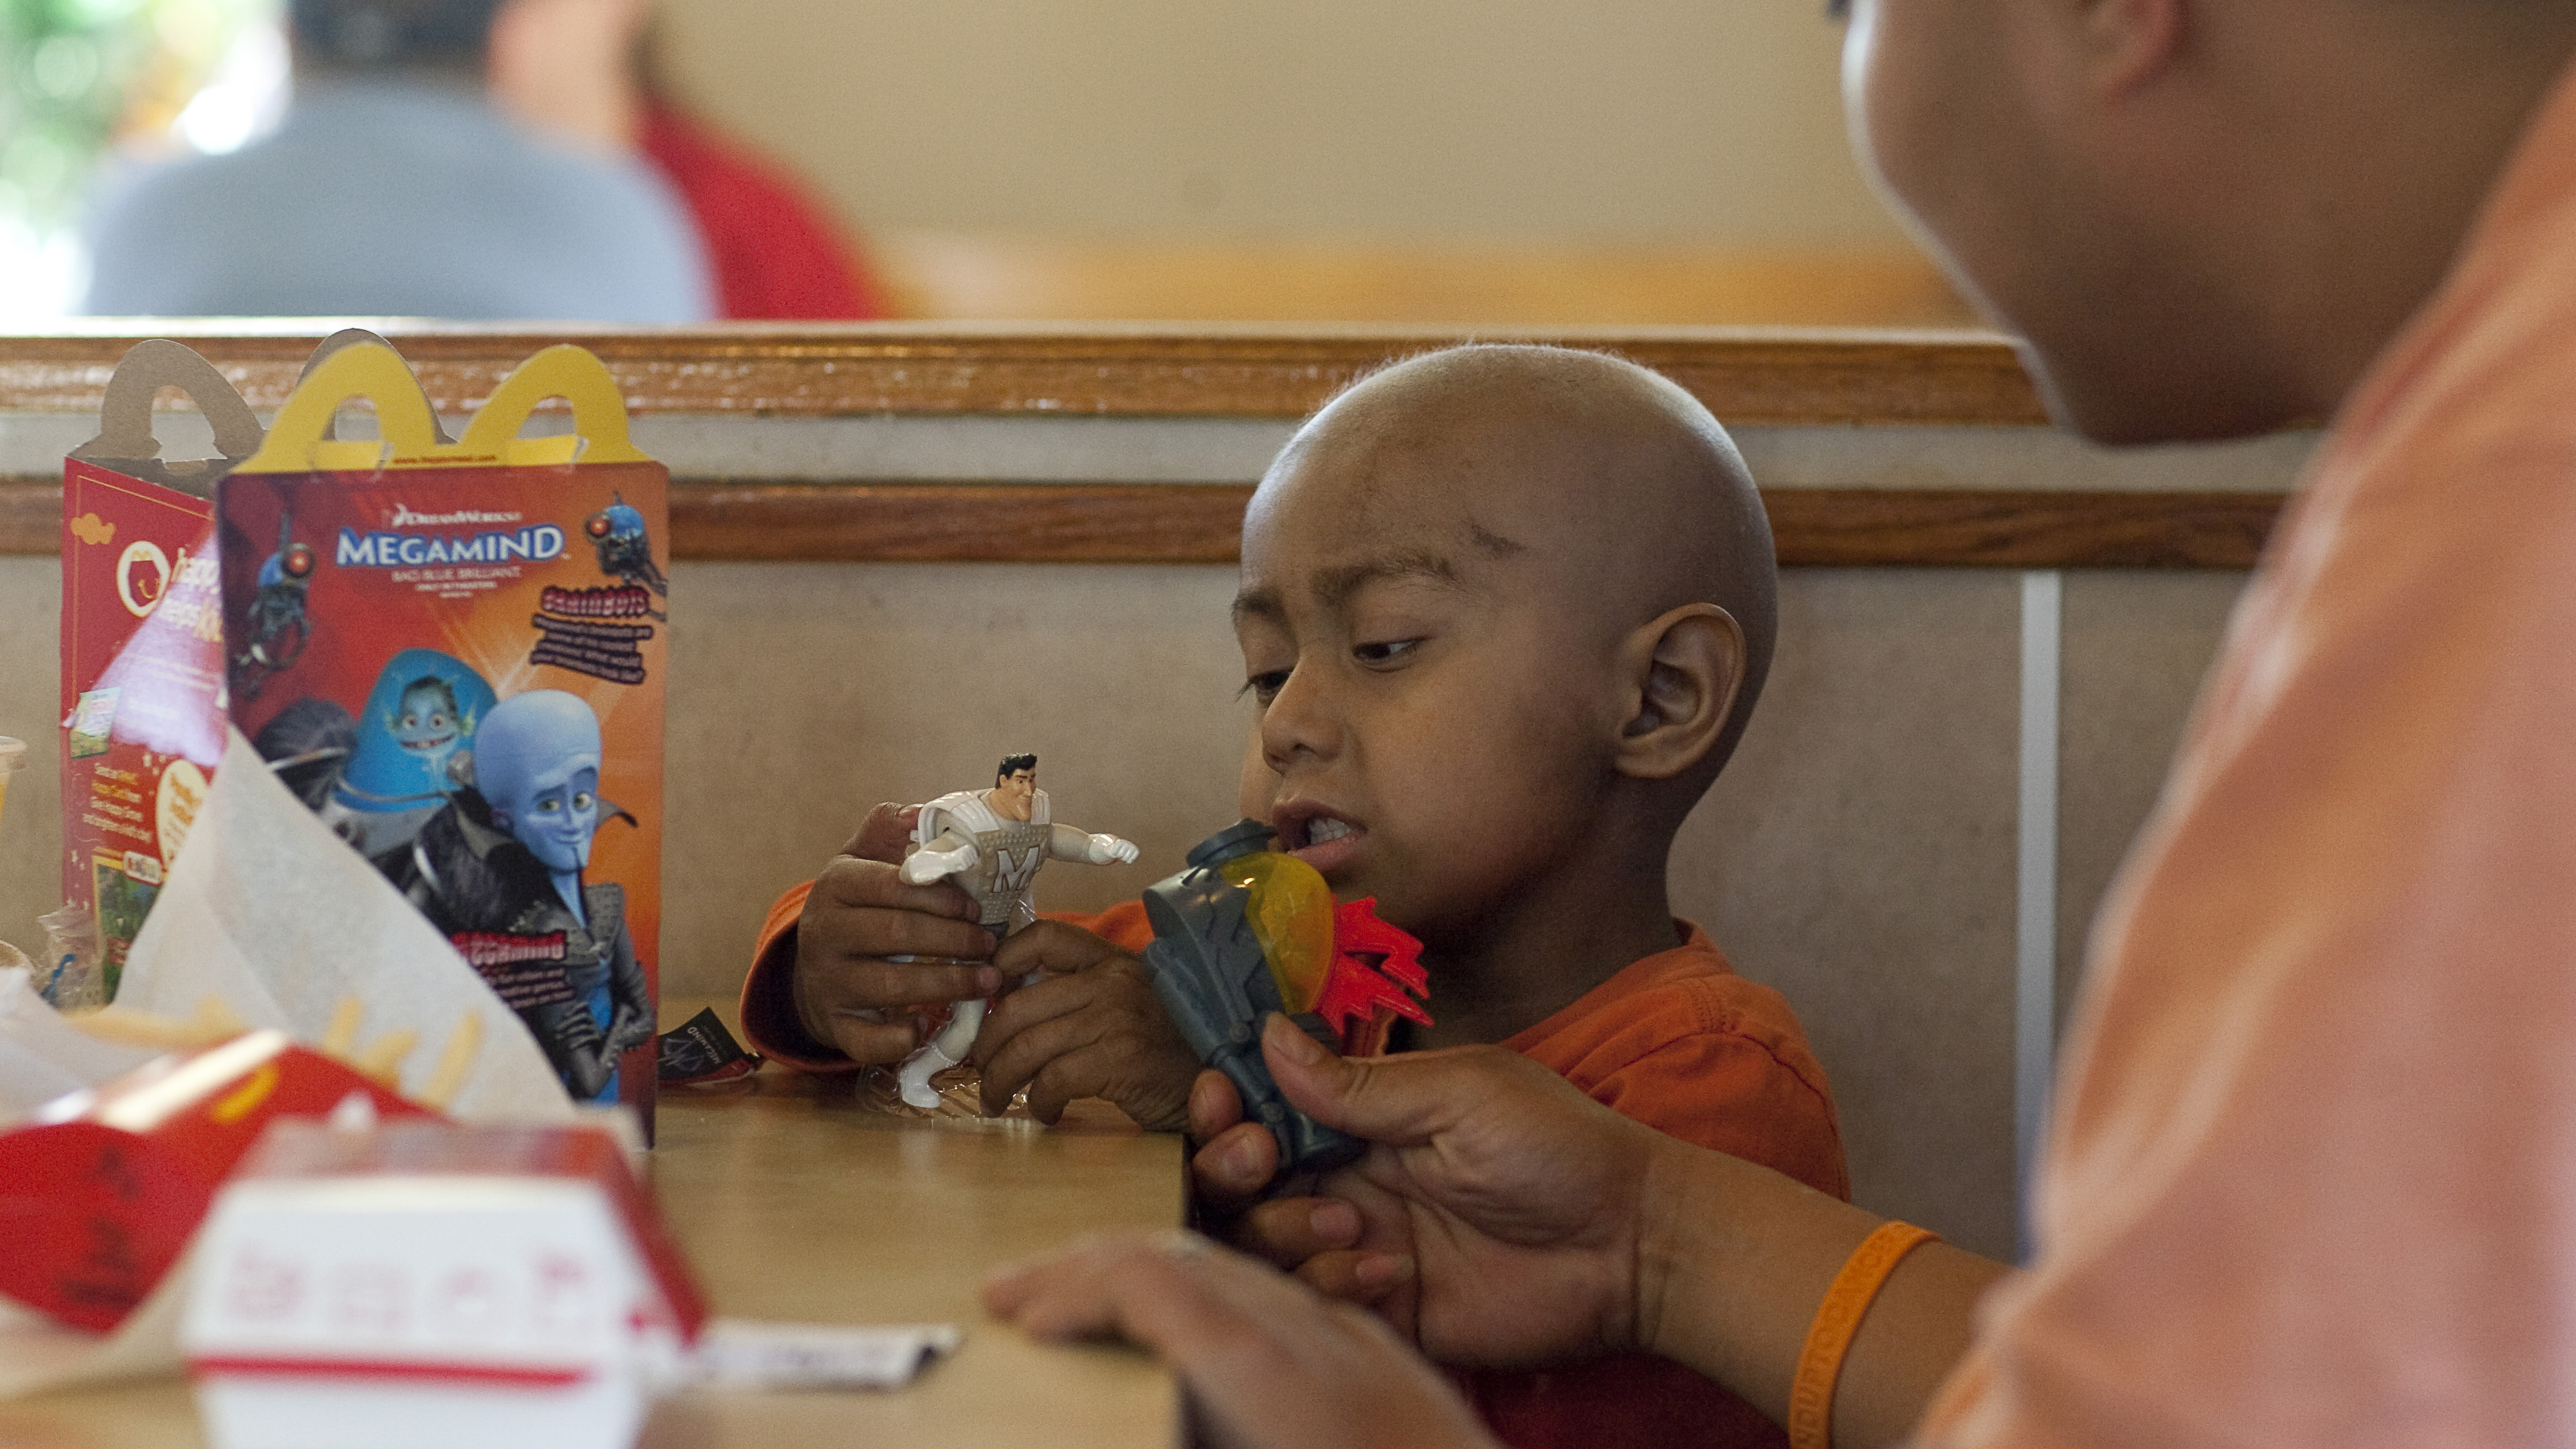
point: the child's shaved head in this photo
(1506, 610)
(1631, 477)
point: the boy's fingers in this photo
(872, 1043)
(854, 883)
(1013, 1050)
(1026, 1009)
(866, 933)
(1087, 1072)
(1057, 948)
(884, 833)
(874, 984)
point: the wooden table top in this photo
(796, 1203)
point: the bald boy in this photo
(1505, 612)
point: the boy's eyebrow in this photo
(1260, 603)
(1335, 586)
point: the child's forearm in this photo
(1734, 1261)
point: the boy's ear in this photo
(1682, 670)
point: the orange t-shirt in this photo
(2311, 1180)
(1676, 1040)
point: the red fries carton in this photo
(101, 1191)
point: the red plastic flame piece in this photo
(1359, 998)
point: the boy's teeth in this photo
(1324, 827)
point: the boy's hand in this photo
(848, 995)
(1265, 1362)
(1496, 1218)
(1091, 1028)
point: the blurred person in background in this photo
(395, 187)
(579, 68)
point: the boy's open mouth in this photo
(1322, 841)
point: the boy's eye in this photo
(1383, 651)
(1265, 687)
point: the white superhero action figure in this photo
(993, 841)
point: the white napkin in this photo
(270, 911)
(43, 1056)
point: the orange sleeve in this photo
(1122, 925)
(768, 993)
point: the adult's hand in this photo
(1503, 1217)
(1236, 1159)
(1266, 1362)
(1499, 1207)
(848, 994)
(1090, 1027)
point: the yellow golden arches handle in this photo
(567, 372)
(296, 441)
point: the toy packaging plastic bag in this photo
(142, 660)
(453, 654)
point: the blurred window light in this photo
(88, 84)
(245, 97)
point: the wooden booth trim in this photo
(1745, 375)
(1201, 522)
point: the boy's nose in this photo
(1299, 723)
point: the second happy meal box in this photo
(454, 653)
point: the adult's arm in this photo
(1503, 1217)
(1266, 1363)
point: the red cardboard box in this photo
(142, 651)
(102, 1190)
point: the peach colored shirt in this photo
(2312, 1179)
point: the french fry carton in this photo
(101, 1190)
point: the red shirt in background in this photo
(775, 253)
(1676, 1040)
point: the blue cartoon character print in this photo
(279, 625)
(501, 869)
(625, 549)
(411, 732)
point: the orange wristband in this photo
(1820, 1362)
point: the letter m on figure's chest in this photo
(1014, 869)
(1016, 851)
